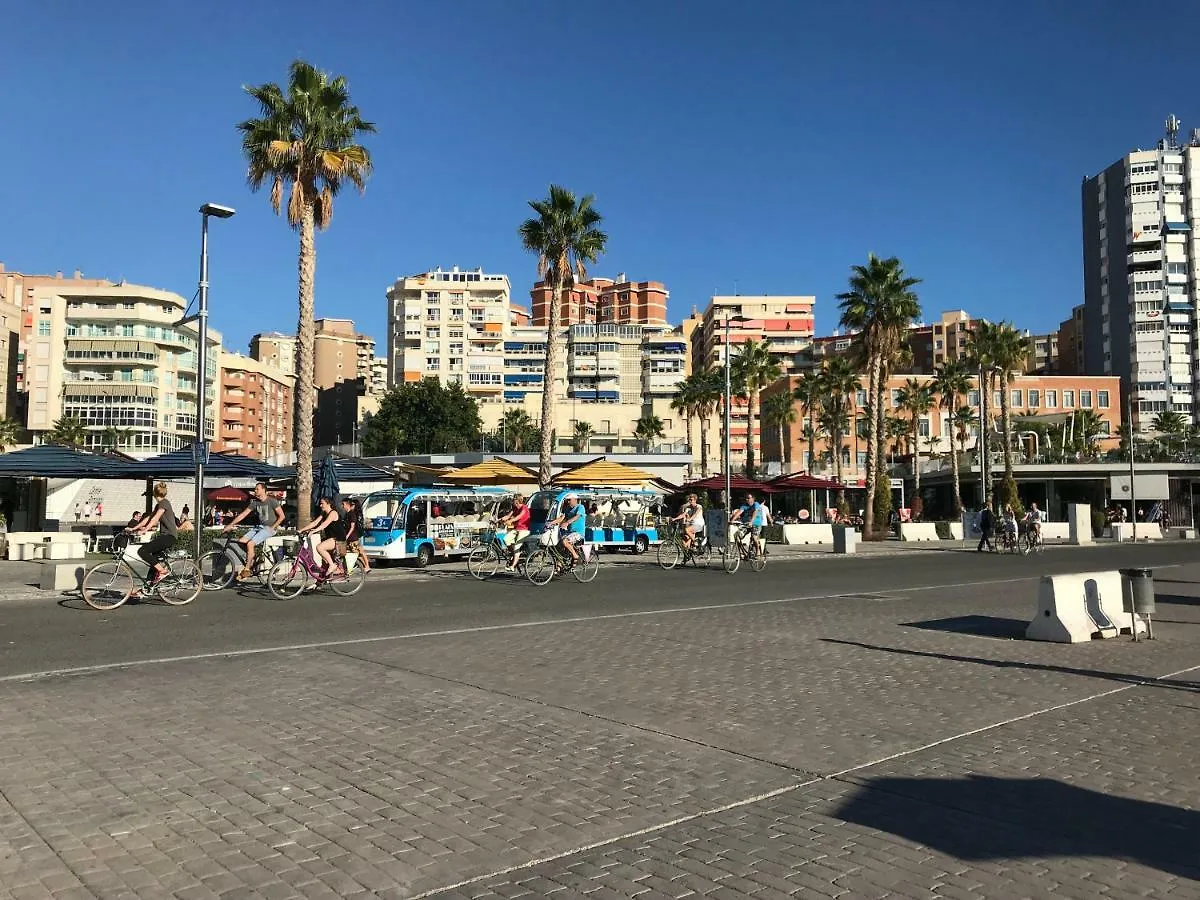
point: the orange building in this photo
(604, 300)
(255, 409)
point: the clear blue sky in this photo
(769, 145)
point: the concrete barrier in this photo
(808, 534)
(956, 531)
(918, 531)
(1079, 524)
(1079, 607)
(1184, 534)
(1056, 531)
(1122, 531)
(62, 576)
(1149, 531)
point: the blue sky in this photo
(767, 145)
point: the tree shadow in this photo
(981, 817)
(997, 627)
(1121, 677)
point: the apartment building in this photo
(1052, 399)
(1140, 275)
(275, 349)
(1070, 344)
(1043, 354)
(340, 353)
(113, 356)
(616, 301)
(256, 408)
(930, 344)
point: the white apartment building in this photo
(112, 356)
(1140, 276)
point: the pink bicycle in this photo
(292, 575)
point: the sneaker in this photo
(244, 574)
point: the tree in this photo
(1169, 423)
(840, 383)
(518, 430)
(808, 392)
(306, 140)
(753, 369)
(582, 436)
(565, 235)
(879, 305)
(112, 438)
(684, 403)
(649, 428)
(896, 431)
(709, 389)
(69, 431)
(916, 399)
(1001, 351)
(423, 417)
(961, 422)
(950, 382)
(778, 411)
(10, 432)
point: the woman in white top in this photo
(692, 515)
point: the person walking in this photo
(987, 527)
(78, 511)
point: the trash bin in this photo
(845, 539)
(1139, 591)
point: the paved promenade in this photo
(831, 727)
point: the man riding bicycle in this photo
(754, 517)
(574, 520)
(692, 515)
(1008, 525)
(1034, 519)
(268, 516)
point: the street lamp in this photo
(728, 400)
(200, 447)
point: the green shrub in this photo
(1099, 522)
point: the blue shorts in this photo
(257, 535)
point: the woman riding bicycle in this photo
(692, 515)
(155, 549)
(516, 521)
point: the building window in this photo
(1102, 399)
(433, 296)
(972, 398)
(1016, 397)
(432, 363)
(923, 426)
(43, 328)
(1068, 399)
(1085, 399)
(1051, 399)
(997, 399)
(1035, 398)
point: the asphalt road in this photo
(48, 637)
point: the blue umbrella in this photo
(325, 482)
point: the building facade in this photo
(340, 353)
(1043, 354)
(603, 301)
(1140, 276)
(257, 404)
(1070, 344)
(112, 356)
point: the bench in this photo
(28, 545)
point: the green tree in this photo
(840, 383)
(708, 391)
(879, 306)
(518, 431)
(950, 383)
(961, 422)
(649, 428)
(423, 417)
(779, 411)
(582, 436)
(808, 392)
(307, 141)
(113, 438)
(1001, 351)
(684, 403)
(752, 370)
(1171, 424)
(565, 235)
(10, 432)
(69, 431)
(916, 399)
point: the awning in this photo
(228, 495)
(736, 483)
(494, 471)
(802, 482)
(180, 464)
(1177, 226)
(602, 471)
(56, 461)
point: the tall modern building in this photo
(1140, 276)
(340, 353)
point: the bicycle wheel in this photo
(758, 561)
(107, 585)
(539, 568)
(182, 583)
(287, 579)
(586, 570)
(349, 583)
(731, 558)
(217, 570)
(484, 562)
(702, 556)
(670, 554)
(1026, 543)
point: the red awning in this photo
(228, 495)
(802, 482)
(736, 483)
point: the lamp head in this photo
(217, 211)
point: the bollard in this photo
(1138, 596)
(845, 539)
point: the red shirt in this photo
(521, 522)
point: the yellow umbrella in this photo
(495, 471)
(602, 471)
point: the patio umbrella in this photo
(325, 482)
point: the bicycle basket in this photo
(549, 537)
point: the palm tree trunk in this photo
(812, 439)
(1006, 426)
(703, 446)
(916, 454)
(691, 446)
(306, 393)
(837, 467)
(958, 507)
(783, 463)
(546, 449)
(873, 440)
(750, 404)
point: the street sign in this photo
(199, 452)
(897, 482)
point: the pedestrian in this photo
(987, 527)
(99, 510)
(78, 511)
(186, 510)
(87, 510)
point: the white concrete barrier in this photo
(62, 576)
(1079, 607)
(956, 531)
(1122, 531)
(1184, 534)
(918, 531)
(1149, 531)
(808, 534)
(66, 550)
(1079, 524)
(1056, 531)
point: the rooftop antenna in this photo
(1172, 133)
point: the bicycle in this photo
(672, 551)
(1031, 541)
(740, 549)
(486, 559)
(110, 584)
(1007, 542)
(291, 575)
(220, 565)
(550, 560)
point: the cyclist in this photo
(516, 521)
(1008, 525)
(574, 520)
(692, 514)
(1034, 519)
(753, 516)
(333, 533)
(153, 551)
(268, 516)
(352, 515)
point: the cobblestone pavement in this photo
(871, 744)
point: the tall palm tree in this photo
(916, 399)
(1169, 423)
(808, 392)
(841, 384)
(753, 369)
(10, 432)
(879, 305)
(961, 422)
(834, 421)
(709, 389)
(684, 403)
(516, 429)
(1001, 351)
(566, 236)
(68, 430)
(581, 438)
(950, 383)
(779, 411)
(307, 140)
(649, 427)
(896, 431)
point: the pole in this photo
(728, 439)
(1132, 470)
(201, 385)
(981, 444)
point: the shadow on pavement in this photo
(980, 626)
(1030, 818)
(1121, 677)
(1177, 600)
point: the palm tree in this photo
(582, 436)
(880, 305)
(709, 389)
(916, 399)
(517, 429)
(753, 369)
(566, 236)
(649, 427)
(841, 384)
(684, 403)
(961, 422)
(835, 422)
(112, 438)
(10, 431)
(950, 383)
(1089, 427)
(808, 392)
(68, 430)
(896, 431)
(1001, 351)
(779, 411)
(305, 139)
(1169, 423)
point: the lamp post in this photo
(200, 447)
